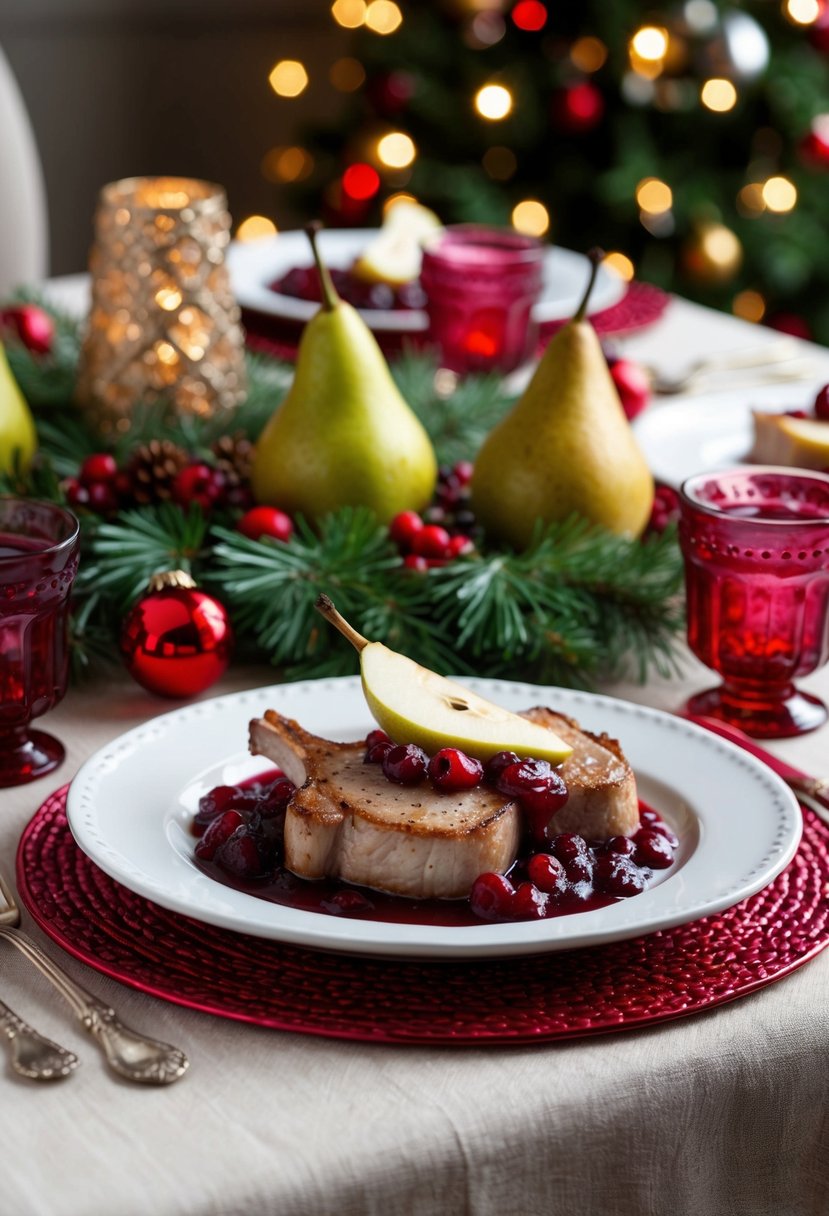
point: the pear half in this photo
(415, 705)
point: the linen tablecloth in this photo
(720, 1113)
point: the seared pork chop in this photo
(347, 820)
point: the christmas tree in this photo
(692, 144)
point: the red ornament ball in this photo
(199, 483)
(266, 521)
(177, 640)
(530, 15)
(814, 146)
(822, 404)
(31, 326)
(632, 384)
(577, 108)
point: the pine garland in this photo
(579, 604)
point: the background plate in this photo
(255, 264)
(131, 805)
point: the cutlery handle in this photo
(133, 1056)
(32, 1054)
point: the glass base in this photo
(27, 756)
(794, 714)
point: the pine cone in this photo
(152, 469)
(234, 456)
(234, 459)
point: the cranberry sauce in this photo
(240, 837)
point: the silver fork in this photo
(777, 361)
(32, 1054)
(133, 1056)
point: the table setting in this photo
(524, 494)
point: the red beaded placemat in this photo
(555, 996)
(641, 305)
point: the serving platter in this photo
(131, 805)
(254, 265)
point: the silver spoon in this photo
(133, 1056)
(33, 1055)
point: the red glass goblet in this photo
(756, 548)
(481, 284)
(38, 561)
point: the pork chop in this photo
(347, 820)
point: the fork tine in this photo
(10, 914)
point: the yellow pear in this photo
(565, 447)
(416, 705)
(343, 436)
(18, 438)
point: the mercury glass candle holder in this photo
(164, 325)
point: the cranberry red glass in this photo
(756, 549)
(38, 561)
(481, 284)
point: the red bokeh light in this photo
(360, 181)
(530, 15)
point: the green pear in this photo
(415, 705)
(18, 438)
(565, 447)
(343, 436)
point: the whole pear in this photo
(343, 435)
(18, 438)
(565, 447)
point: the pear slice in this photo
(415, 705)
(795, 442)
(395, 253)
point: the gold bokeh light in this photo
(493, 102)
(588, 54)
(779, 194)
(530, 217)
(383, 17)
(718, 95)
(288, 78)
(287, 164)
(347, 74)
(621, 263)
(350, 14)
(801, 12)
(654, 196)
(254, 228)
(396, 150)
(749, 305)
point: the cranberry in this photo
(212, 804)
(567, 846)
(218, 831)
(617, 875)
(267, 522)
(413, 561)
(451, 769)
(491, 897)
(198, 483)
(653, 849)
(622, 845)
(102, 497)
(404, 528)
(460, 545)
(547, 873)
(347, 901)
(406, 764)
(463, 471)
(377, 753)
(822, 404)
(580, 869)
(496, 764)
(376, 736)
(275, 797)
(76, 494)
(431, 541)
(528, 903)
(100, 466)
(240, 855)
(539, 788)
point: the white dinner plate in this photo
(713, 431)
(131, 805)
(253, 265)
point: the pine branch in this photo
(123, 555)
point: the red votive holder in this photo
(481, 284)
(756, 547)
(39, 545)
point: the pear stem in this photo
(330, 298)
(596, 257)
(325, 606)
